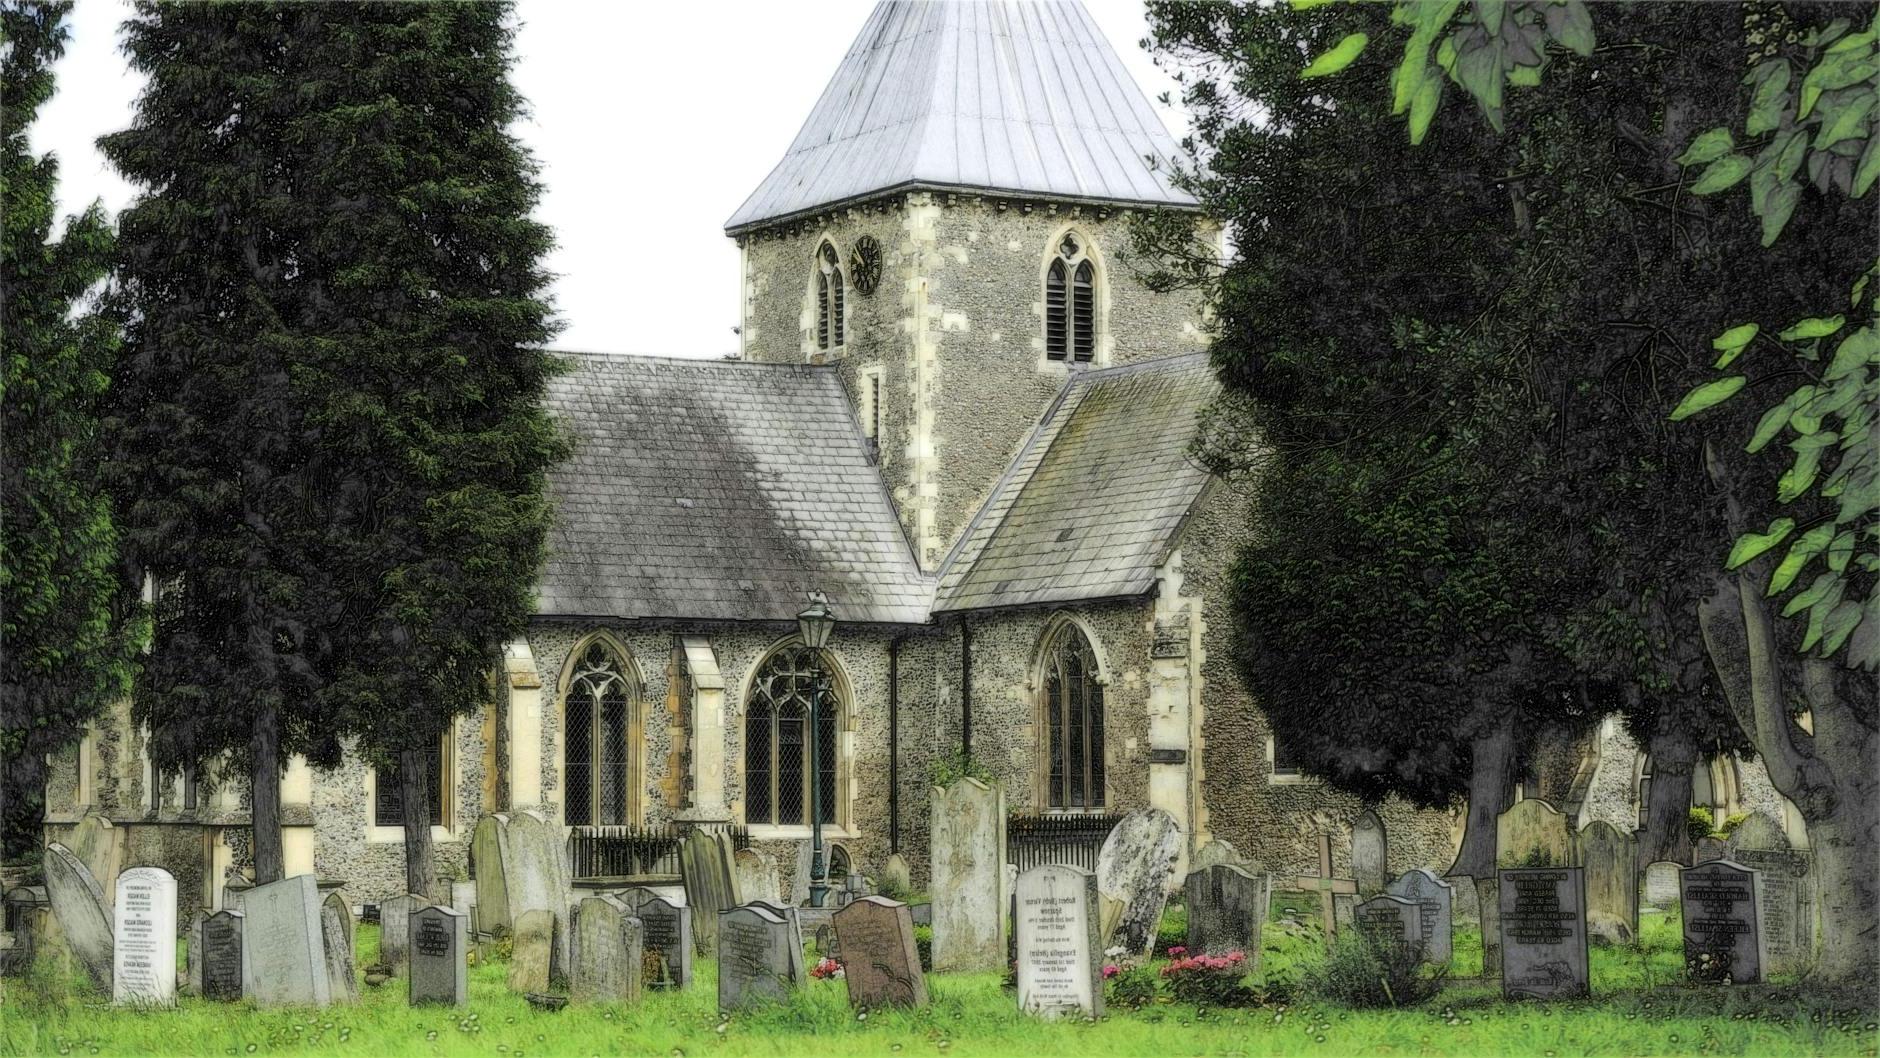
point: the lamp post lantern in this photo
(814, 626)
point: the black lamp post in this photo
(814, 626)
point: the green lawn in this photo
(972, 1015)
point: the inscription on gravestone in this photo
(144, 950)
(1435, 901)
(1058, 945)
(881, 964)
(1543, 932)
(1787, 890)
(284, 963)
(754, 961)
(666, 940)
(439, 970)
(1391, 920)
(222, 956)
(1722, 933)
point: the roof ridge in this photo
(699, 361)
(1152, 363)
(1006, 478)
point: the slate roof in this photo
(719, 490)
(1022, 97)
(1091, 505)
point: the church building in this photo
(959, 417)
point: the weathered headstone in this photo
(1220, 850)
(83, 911)
(395, 928)
(463, 896)
(967, 876)
(896, 877)
(608, 965)
(440, 943)
(1059, 947)
(533, 951)
(1328, 888)
(754, 960)
(489, 849)
(665, 938)
(1709, 848)
(283, 956)
(1391, 920)
(99, 845)
(794, 917)
(1370, 855)
(193, 954)
(880, 962)
(1136, 868)
(757, 876)
(1660, 887)
(1786, 882)
(1723, 937)
(336, 934)
(143, 951)
(1226, 907)
(1437, 900)
(1543, 932)
(1611, 862)
(222, 956)
(711, 885)
(1533, 833)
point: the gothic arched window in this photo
(598, 712)
(1070, 304)
(776, 738)
(1073, 716)
(829, 297)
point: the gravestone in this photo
(336, 934)
(1709, 848)
(1660, 886)
(1611, 862)
(1542, 916)
(665, 938)
(757, 876)
(395, 928)
(1723, 937)
(879, 960)
(1328, 888)
(967, 876)
(193, 955)
(99, 845)
(82, 910)
(533, 951)
(440, 972)
(711, 885)
(1226, 907)
(896, 877)
(754, 960)
(1436, 899)
(1786, 884)
(222, 956)
(1220, 850)
(794, 917)
(489, 848)
(1370, 855)
(1136, 868)
(609, 964)
(1390, 920)
(283, 952)
(1059, 948)
(143, 951)
(1533, 833)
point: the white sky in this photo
(652, 122)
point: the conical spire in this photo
(1018, 96)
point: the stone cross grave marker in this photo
(82, 910)
(1533, 833)
(336, 934)
(1723, 937)
(1226, 909)
(666, 938)
(1786, 884)
(143, 952)
(1370, 854)
(1436, 898)
(711, 884)
(283, 955)
(222, 956)
(609, 964)
(395, 928)
(1328, 888)
(1136, 868)
(1059, 946)
(1543, 932)
(879, 960)
(533, 951)
(967, 876)
(489, 848)
(754, 962)
(1611, 862)
(794, 917)
(1391, 920)
(440, 972)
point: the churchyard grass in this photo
(1640, 1009)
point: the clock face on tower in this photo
(865, 264)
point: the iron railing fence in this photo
(1071, 838)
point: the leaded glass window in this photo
(599, 766)
(1073, 710)
(777, 743)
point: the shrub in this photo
(923, 944)
(957, 765)
(1362, 972)
(1133, 988)
(1209, 980)
(1699, 824)
(1172, 932)
(1730, 823)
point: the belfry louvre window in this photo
(1074, 716)
(388, 794)
(598, 766)
(777, 742)
(829, 297)
(1070, 304)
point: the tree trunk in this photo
(1665, 835)
(264, 797)
(415, 778)
(1491, 788)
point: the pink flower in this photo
(1177, 951)
(1110, 971)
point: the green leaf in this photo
(1810, 545)
(1525, 76)
(1423, 108)
(1776, 216)
(1869, 166)
(1708, 147)
(1813, 327)
(1799, 476)
(1847, 120)
(1307, 5)
(1840, 549)
(1789, 149)
(1723, 173)
(1490, 13)
(1839, 625)
(1771, 97)
(1576, 30)
(1771, 424)
(1750, 545)
(1733, 341)
(1706, 396)
(1823, 583)
(1343, 54)
(1855, 351)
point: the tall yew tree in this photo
(64, 650)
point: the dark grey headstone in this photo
(1391, 920)
(1437, 900)
(222, 956)
(795, 918)
(711, 884)
(665, 938)
(1786, 882)
(1226, 908)
(754, 961)
(1542, 912)
(1723, 937)
(880, 962)
(440, 972)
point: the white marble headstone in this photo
(283, 951)
(1059, 952)
(143, 960)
